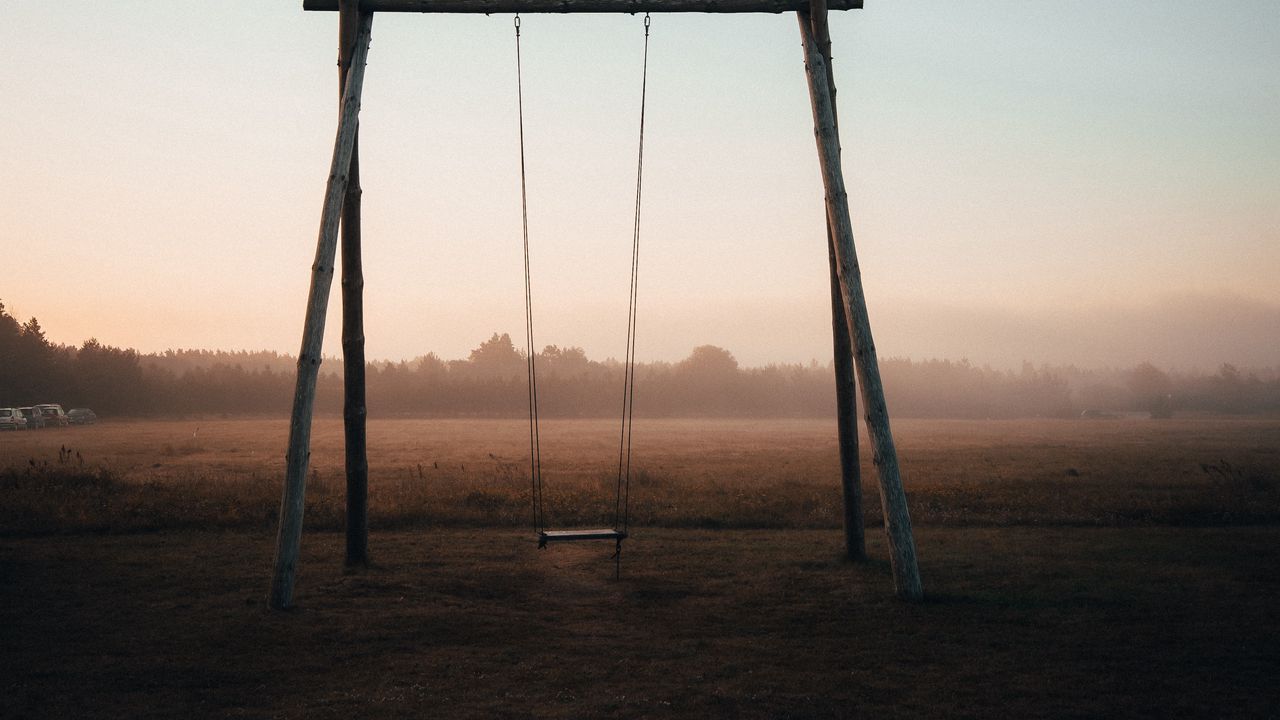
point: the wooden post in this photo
(902, 550)
(855, 541)
(289, 538)
(354, 410)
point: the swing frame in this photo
(854, 348)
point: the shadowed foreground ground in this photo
(1021, 622)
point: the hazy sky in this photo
(1089, 182)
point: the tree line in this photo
(492, 382)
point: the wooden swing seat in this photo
(548, 536)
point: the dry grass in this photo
(691, 473)
(1073, 569)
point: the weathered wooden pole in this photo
(631, 7)
(289, 538)
(855, 540)
(893, 500)
(354, 408)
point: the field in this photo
(1073, 569)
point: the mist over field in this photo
(1186, 332)
(707, 381)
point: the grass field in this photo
(1073, 569)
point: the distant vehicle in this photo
(1097, 415)
(11, 419)
(35, 419)
(81, 416)
(54, 416)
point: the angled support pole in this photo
(289, 538)
(855, 541)
(354, 406)
(902, 548)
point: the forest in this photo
(491, 382)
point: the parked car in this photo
(81, 416)
(11, 419)
(54, 415)
(35, 419)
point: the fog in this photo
(1184, 332)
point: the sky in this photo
(1031, 180)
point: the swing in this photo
(622, 494)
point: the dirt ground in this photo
(1020, 622)
(1030, 612)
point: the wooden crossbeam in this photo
(583, 6)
